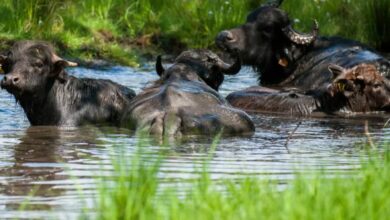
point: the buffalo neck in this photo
(269, 64)
(337, 102)
(181, 71)
(41, 107)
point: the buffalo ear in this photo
(336, 70)
(61, 62)
(3, 60)
(159, 67)
(59, 65)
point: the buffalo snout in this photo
(230, 40)
(10, 81)
(225, 36)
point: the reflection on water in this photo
(47, 165)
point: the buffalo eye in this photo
(360, 81)
(38, 64)
(377, 86)
(211, 60)
(6, 66)
(267, 29)
(350, 86)
(293, 95)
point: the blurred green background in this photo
(121, 30)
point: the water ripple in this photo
(55, 162)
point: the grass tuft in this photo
(87, 28)
(137, 191)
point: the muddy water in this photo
(47, 165)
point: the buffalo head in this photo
(199, 63)
(30, 66)
(363, 86)
(266, 40)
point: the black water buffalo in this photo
(359, 89)
(36, 77)
(185, 99)
(284, 57)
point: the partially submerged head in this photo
(362, 85)
(29, 66)
(199, 63)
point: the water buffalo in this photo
(36, 77)
(284, 57)
(185, 99)
(359, 89)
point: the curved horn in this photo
(55, 58)
(301, 39)
(159, 67)
(336, 70)
(229, 69)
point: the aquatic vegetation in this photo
(137, 191)
(86, 28)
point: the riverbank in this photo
(127, 32)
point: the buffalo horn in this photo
(336, 70)
(301, 39)
(229, 69)
(56, 58)
(159, 67)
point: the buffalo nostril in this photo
(226, 36)
(15, 80)
(229, 36)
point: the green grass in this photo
(88, 28)
(363, 20)
(137, 191)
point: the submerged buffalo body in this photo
(284, 57)
(185, 99)
(36, 77)
(359, 89)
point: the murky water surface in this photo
(46, 165)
